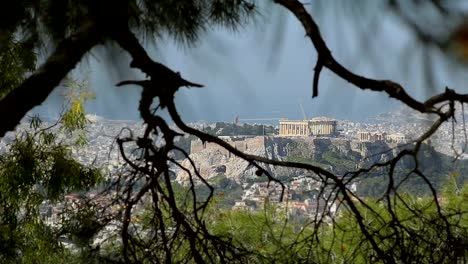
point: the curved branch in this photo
(157, 71)
(252, 158)
(393, 89)
(317, 70)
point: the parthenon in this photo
(319, 126)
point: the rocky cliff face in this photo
(212, 160)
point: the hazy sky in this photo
(254, 74)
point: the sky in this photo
(266, 70)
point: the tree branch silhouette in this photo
(433, 105)
(35, 89)
(391, 88)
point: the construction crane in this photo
(302, 110)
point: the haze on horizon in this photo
(265, 71)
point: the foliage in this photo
(266, 234)
(269, 236)
(73, 121)
(42, 22)
(305, 160)
(227, 129)
(256, 237)
(15, 61)
(407, 227)
(37, 171)
(339, 162)
(433, 164)
(227, 191)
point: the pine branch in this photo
(35, 89)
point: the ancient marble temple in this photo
(319, 126)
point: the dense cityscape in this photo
(300, 197)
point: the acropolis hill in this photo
(240, 143)
(212, 159)
(298, 140)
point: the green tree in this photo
(406, 226)
(266, 234)
(35, 173)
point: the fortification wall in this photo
(197, 146)
(254, 143)
(246, 144)
(212, 159)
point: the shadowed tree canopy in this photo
(67, 30)
(63, 32)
